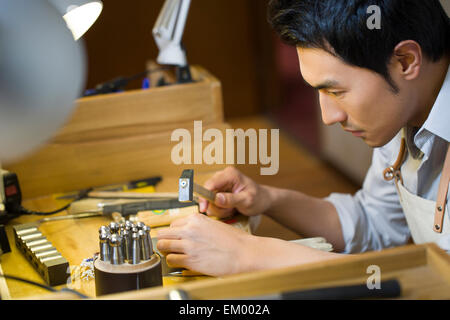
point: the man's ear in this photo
(408, 59)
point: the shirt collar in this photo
(436, 124)
(438, 119)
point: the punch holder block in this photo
(126, 260)
(111, 279)
(44, 257)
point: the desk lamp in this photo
(42, 73)
(168, 33)
(79, 15)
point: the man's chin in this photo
(374, 143)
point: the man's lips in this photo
(356, 133)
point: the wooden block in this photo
(140, 112)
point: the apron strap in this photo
(442, 194)
(394, 170)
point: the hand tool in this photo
(131, 195)
(389, 289)
(153, 181)
(104, 247)
(126, 244)
(140, 225)
(135, 248)
(103, 229)
(113, 227)
(115, 243)
(145, 246)
(128, 225)
(185, 273)
(69, 216)
(123, 206)
(148, 238)
(187, 187)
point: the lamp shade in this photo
(79, 15)
(42, 73)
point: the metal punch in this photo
(126, 261)
(130, 243)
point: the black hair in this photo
(340, 28)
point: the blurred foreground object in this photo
(42, 69)
(41, 74)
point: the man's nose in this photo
(331, 113)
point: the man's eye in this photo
(336, 93)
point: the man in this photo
(385, 86)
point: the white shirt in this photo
(373, 218)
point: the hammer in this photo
(187, 187)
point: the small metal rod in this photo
(136, 249)
(145, 247)
(71, 216)
(104, 247)
(115, 242)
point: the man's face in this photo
(359, 99)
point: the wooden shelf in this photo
(114, 138)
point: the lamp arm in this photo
(168, 32)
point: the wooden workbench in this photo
(423, 271)
(76, 240)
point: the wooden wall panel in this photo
(230, 38)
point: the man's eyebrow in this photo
(326, 85)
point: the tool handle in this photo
(131, 195)
(205, 193)
(134, 207)
(388, 289)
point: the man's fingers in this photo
(229, 200)
(219, 212)
(177, 260)
(179, 222)
(217, 182)
(172, 246)
(223, 180)
(202, 205)
(170, 233)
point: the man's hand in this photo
(235, 192)
(211, 247)
(205, 245)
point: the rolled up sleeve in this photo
(373, 218)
